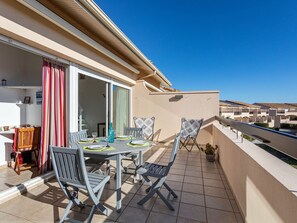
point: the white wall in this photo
(19, 68)
(33, 111)
(92, 101)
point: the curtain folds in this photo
(121, 109)
(53, 130)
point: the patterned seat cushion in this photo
(190, 127)
(147, 125)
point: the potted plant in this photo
(210, 152)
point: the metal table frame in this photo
(121, 147)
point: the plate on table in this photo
(95, 147)
(137, 142)
(86, 139)
(122, 136)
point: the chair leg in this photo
(151, 190)
(148, 196)
(170, 190)
(36, 158)
(90, 217)
(17, 164)
(165, 200)
(66, 212)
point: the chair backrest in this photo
(135, 132)
(25, 138)
(174, 149)
(190, 127)
(69, 166)
(74, 137)
(37, 138)
(147, 125)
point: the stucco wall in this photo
(26, 26)
(264, 186)
(168, 112)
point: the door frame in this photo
(109, 93)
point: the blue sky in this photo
(247, 49)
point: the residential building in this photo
(68, 67)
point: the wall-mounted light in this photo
(3, 82)
(178, 96)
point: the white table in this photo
(121, 148)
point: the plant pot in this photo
(210, 157)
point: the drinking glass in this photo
(94, 135)
(107, 141)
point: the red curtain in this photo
(53, 131)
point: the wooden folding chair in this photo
(159, 172)
(24, 142)
(71, 174)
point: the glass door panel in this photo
(120, 109)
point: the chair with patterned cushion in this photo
(147, 125)
(189, 132)
(70, 170)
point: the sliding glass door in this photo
(121, 108)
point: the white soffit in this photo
(108, 22)
(49, 15)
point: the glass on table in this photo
(94, 135)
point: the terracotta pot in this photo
(210, 157)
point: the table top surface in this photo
(120, 146)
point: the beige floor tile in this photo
(234, 206)
(171, 198)
(175, 177)
(213, 176)
(215, 191)
(193, 180)
(146, 206)
(194, 163)
(215, 216)
(49, 213)
(192, 212)
(132, 215)
(177, 171)
(230, 194)
(31, 205)
(159, 217)
(193, 173)
(190, 198)
(178, 166)
(239, 218)
(193, 188)
(213, 183)
(161, 207)
(218, 203)
(193, 168)
(174, 185)
(185, 220)
(4, 218)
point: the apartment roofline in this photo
(102, 17)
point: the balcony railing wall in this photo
(264, 186)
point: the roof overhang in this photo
(91, 21)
